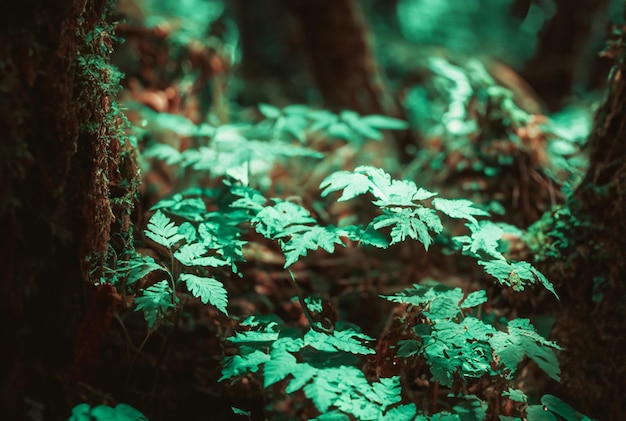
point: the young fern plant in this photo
(197, 250)
(409, 212)
(320, 365)
(458, 346)
(195, 255)
(454, 343)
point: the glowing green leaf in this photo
(247, 362)
(384, 122)
(162, 230)
(280, 365)
(459, 208)
(352, 184)
(209, 290)
(515, 395)
(310, 238)
(269, 111)
(154, 301)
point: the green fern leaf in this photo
(408, 348)
(387, 391)
(176, 123)
(190, 208)
(352, 184)
(483, 240)
(384, 122)
(187, 253)
(445, 305)
(209, 290)
(459, 208)
(266, 333)
(191, 255)
(514, 274)
(405, 222)
(562, 409)
(355, 122)
(368, 237)
(418, 295)
(155, 301)
(400, 193)
(164, 152)
(249, 198)
(523, 340)
(345, 340)
(272, 221)
(269, 111)
(359, 407)
(340, 130)
(248, 361)
(302, 374)
(322, 391)
(162, 230)
(401, 413)
(288, 344)
(280, 365)
(461, 348)
(239, 411)
(121, 412)
(322, 119)
(138, 267)
(515, 395)
(474, 299)
(309, 238)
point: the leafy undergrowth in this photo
(286, 266)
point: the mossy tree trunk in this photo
(590, 275)
(67, 183)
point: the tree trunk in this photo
(565, 49)
(67, 184)
(590, 274)
(338, 42)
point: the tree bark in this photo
(337, 40)
(565, 49)
(589, 276)
(68, 179)
(339, 44)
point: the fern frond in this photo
(272, 221)
(345, 340)
(523, 340)
(209, 290)
(137, 268)
(459, 208)
(304, 238)
(248, 361)
(155, 301)
(162, 230)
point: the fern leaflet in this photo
(162, 230)
(209, 290)
(155, 301)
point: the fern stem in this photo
(435, 395)
(132, 364)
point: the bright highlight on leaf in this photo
(155, 301)
(162, 230)
(209, 290)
